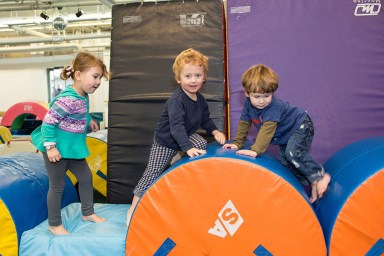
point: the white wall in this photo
(26, 80)
(22, 85)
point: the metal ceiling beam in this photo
(38, 21)
(23, 17)
(29, 31)
(44, 5)
(35, 61)
(56, 39)
(56, 47)
(108, 3)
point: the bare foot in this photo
(58, 230)
(313, 197)
(322, 185)
(129, 216)
(94, 218)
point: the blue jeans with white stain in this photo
(295, 155)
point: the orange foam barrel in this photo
(225, 204)
(352, 211)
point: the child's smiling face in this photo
(192, 78)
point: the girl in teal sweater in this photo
(62, 138)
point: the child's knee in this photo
(84, 176)
(202, 144)
(293, 158)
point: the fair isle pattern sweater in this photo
(65, 124)
(68, 112)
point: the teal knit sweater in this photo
(65, 124)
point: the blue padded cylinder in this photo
(352, 209)
(23, 195)
(214, 150)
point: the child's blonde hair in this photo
(260, 79)
(82, 62)
(190, 56)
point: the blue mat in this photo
(85, 238)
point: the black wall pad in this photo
(146, 38)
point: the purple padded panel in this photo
(329, 56)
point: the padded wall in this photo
(146, 38)
(329, 56)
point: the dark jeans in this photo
(295, 154)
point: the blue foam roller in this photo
(351, 210)
(23, 195)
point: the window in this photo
(55, 83)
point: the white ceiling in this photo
(24, 34)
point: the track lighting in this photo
(44, 15)
(79, 13)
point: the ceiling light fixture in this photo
(44, 15)
(79, 13)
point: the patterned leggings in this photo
(160, 157)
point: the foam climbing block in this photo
(85, 238)
(222, 203)
(23, 197)
(97, 160)
(351, 212)
(14, 116)
(5, 135)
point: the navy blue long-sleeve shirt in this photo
(182, 117)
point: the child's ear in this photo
(246, 93)
(77, 75)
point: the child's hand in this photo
(195, 152)
(53, 155)
(247, 152)
(231, 146)
(219, 137)
(93, 125)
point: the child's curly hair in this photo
(189, 56)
